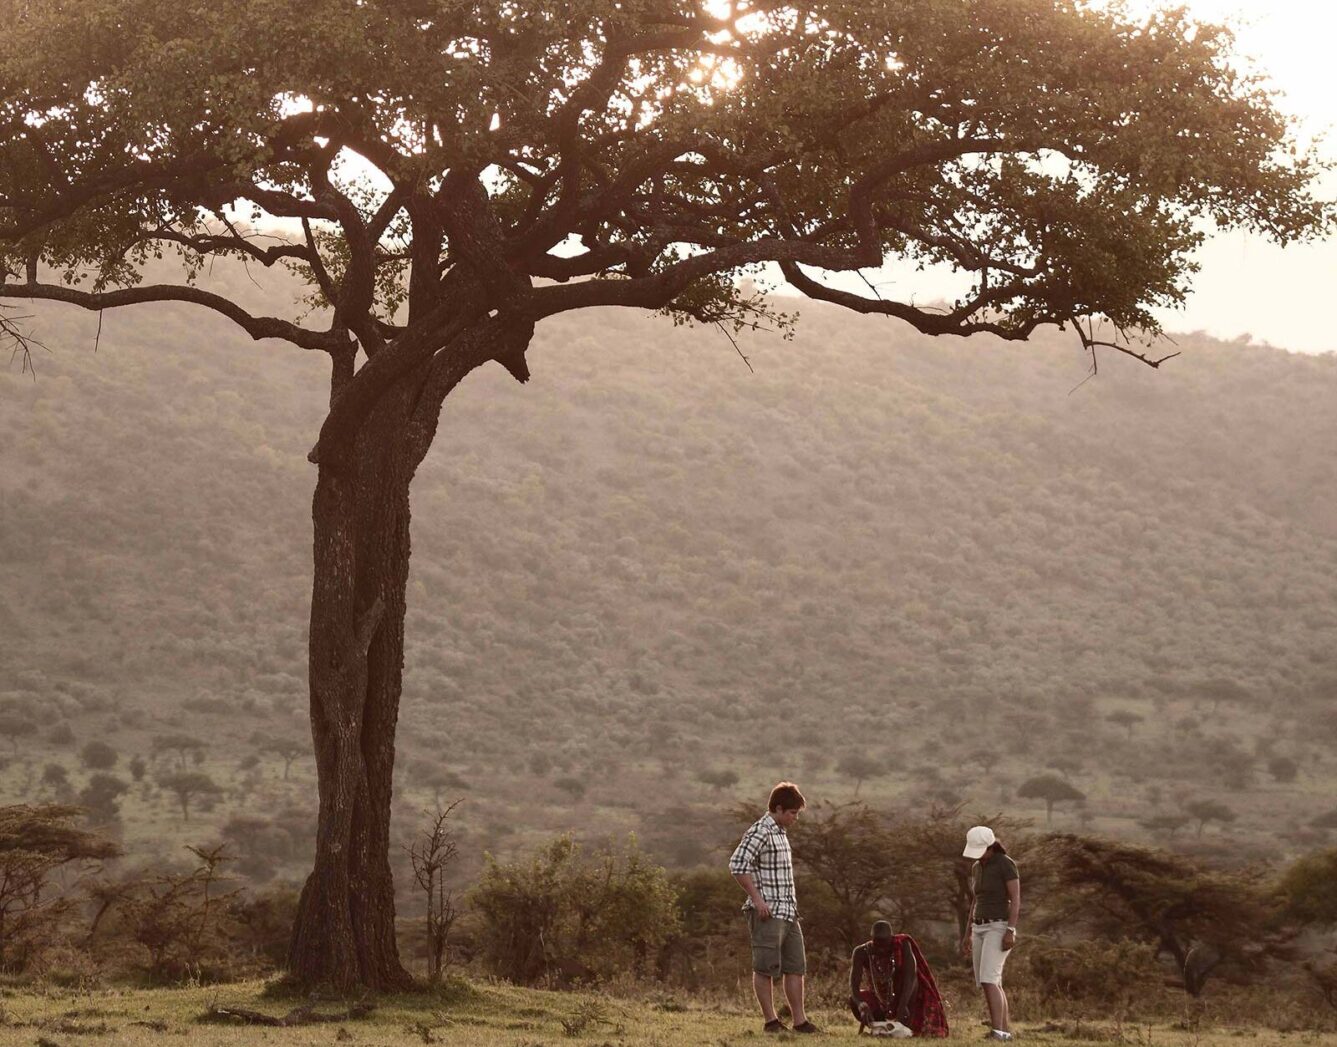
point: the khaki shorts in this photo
(987, 952)
(777, 946)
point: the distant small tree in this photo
(102, 795)
(56, 778)
(1188, 724)
(138, 768)
(1209, 810)
(440, 780)
(188, 786)
(16, 727)
(61, 734)
(540, 763)
(98, 756)
(572, 786)
(431, 856)
(1220, 689)
(1126, 719)
(1165, 825)
(718, 780)
(1283, 769)
(1050, 789)
(179, 745)
(1325, 821)
(860, 767)
(287, 750)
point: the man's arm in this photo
(750, 886)
(857, 960)
(909, 984)
(741, 863)
(1013, 912)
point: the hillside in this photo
(650, 562)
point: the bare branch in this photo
(257, 327)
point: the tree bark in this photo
(344, 935)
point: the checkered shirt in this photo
(764, 854)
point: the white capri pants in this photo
(987, 952)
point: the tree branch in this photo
(257, 327)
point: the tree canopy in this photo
(1061, 154)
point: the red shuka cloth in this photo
(928, 1017)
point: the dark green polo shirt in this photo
(989, 881)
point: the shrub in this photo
(98, 756)
(36, 842)
(1306, 889)
(564, 916)
(1090, 971)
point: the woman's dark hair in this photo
(997, 847)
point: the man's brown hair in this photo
(786, 796)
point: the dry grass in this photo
(489, 1015)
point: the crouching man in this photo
(892, 989)
(763, 865)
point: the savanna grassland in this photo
(497, 1015)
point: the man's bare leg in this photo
(997, 1001)
(794, 994)
(761, 985)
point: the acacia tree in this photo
(449, 173)
(1050, 789)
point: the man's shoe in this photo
(806, 1027)
(775, 1025)
(998, 1035)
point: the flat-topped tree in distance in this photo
(447, 175)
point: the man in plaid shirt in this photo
(763, 865)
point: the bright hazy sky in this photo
(1247, 285)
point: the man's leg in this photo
(794, 994)
(762, 986)
(993, 996)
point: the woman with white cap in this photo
(995, 905)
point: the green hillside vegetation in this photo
(652, 582)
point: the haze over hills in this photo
(650, 562)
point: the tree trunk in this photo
(344, 935)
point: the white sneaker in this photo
(998, 1034)
(900, 1031)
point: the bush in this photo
(564, 916)
(1091, 971)
(1306, 889)
(98, 756)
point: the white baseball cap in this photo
(979, 838)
